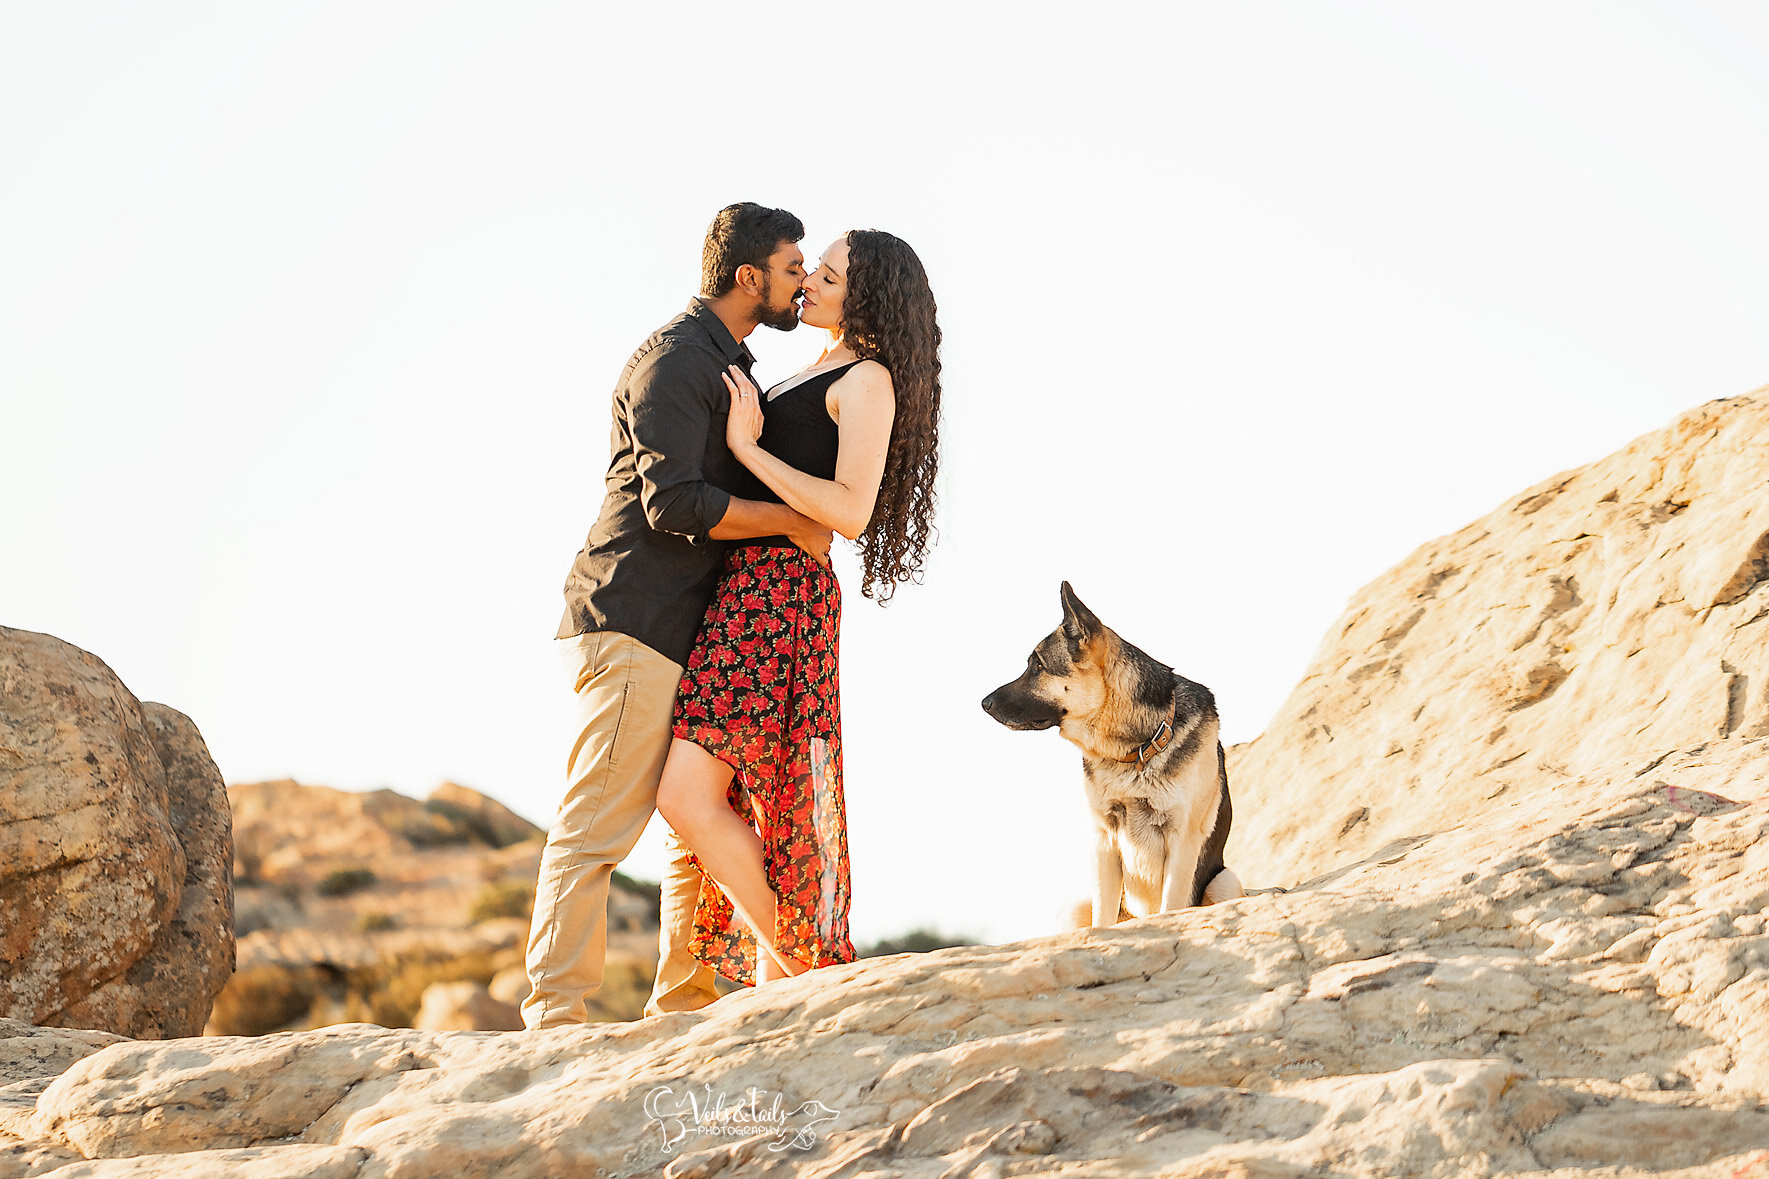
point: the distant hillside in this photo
(350, 905)
(283, 829)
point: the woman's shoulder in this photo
(866, 376)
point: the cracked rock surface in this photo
(1567, 977)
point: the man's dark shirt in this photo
(648, 568)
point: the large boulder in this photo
(1618, 609)
(116, 851)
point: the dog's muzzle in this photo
(1013, 708)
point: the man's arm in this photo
(745, 518)
(670, 414)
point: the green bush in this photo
(502, 898)
(372, 922)
(345, 881)
(916, 941)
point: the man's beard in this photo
(782, 318)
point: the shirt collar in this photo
(729, 346)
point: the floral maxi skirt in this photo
(760, 693)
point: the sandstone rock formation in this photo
(116, 878)
(1608, 611)
(1566, 978)
(1579, 979)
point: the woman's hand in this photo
(744, 425)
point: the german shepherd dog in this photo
(1150, 756)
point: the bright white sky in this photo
(309, 314)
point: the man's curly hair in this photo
(888, 316)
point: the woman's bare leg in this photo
(691, 798)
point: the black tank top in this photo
(797, 430)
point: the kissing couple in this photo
(702, 617)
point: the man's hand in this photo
(812, 537)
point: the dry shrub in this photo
(265, 998)
(342, 882)
(626, 984)
(395, 1001)
(272, 998)
(437, 828)
(502, 898)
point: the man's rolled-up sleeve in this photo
(671, 413)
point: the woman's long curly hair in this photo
(888, 316)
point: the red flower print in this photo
(759, 689)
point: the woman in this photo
(752, 782)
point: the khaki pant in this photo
(625, 693)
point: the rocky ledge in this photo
(1574, 982)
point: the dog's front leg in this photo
(1108, 878)
(1176, 874)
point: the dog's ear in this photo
(1080, 625)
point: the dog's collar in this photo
(1154, 745)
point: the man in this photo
(634, 600)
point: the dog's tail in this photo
(1224, 886)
